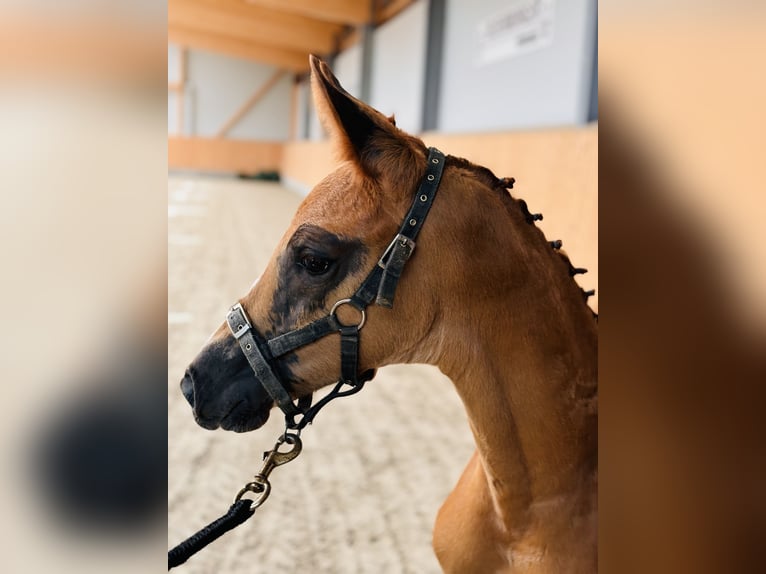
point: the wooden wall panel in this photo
(307, 162)
(223, 155)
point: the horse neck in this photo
(521, 350)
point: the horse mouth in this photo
(241, 416)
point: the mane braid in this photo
(500, 187)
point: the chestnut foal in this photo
(485, 297)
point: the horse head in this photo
(335, 240)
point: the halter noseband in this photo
(379, 286)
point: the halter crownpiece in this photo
(379, 286)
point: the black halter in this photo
(379, 286)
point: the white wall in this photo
(174, 69)
(542, 88)
(173, 113)
(217, 86)
(304, 101)
(221, 84)
(347, 67)
(174, 74)
(399, 66)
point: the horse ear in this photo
(362, 133)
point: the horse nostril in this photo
(187, 388)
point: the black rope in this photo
(237, 514)
(308, 416)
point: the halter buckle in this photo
(405, 244)
(238, 322)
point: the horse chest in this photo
(467, 534)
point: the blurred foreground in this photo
(82, 257)
(683, 279)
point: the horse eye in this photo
(314, 265)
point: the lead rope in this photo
(243, 508)
(237, 514)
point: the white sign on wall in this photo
(523, 26)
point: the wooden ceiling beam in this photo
(292, 60)
(354, 12)
(238, 19)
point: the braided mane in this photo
(501, 187)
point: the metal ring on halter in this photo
(348, 302)
(261, 487)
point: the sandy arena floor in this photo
(375, 467)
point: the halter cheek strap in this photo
(381, 283)
(379, 286)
